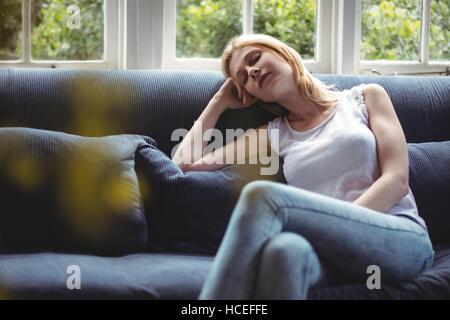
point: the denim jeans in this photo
(282, 241)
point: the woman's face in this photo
(262, 73)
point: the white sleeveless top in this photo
(338, 158)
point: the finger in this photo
(248, 99)
(239, 92)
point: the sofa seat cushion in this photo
(135, 276)
(69, 193)
(174, 276)
(430, 284)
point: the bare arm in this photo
(193, 145)
(392, 153)
(191, 149)
(254, 143)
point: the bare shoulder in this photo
(377, 101)
(374, 91)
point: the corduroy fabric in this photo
(154, 102)
(189, 212)
(176, 276)
(429, 178)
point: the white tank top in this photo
(338, 158)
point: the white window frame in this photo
(141, 34)
(113, 42)
(320, 63)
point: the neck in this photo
(300, 108)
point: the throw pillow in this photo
(69, 193)
(189, 212)
(429, 179)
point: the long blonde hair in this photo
(310, 87)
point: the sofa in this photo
(164, 247)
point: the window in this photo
(405, 36)
(204, 27)
(59, 33)
(390, 30)
(10, 29)
(67, 30)
(333, 36)
(439, 30)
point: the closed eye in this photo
(253, 60)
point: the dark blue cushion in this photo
(189, 212)
(69, 193)
(429, 179)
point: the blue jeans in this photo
(282, 241)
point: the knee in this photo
(255, 191)
(287, 251)
(255, 200)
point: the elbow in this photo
(399, 183)
(403, 182)
(184, 167)
(182, 163)
(405, 189)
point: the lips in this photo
(262, 78)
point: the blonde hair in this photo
(310, 87)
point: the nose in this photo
(254, 72)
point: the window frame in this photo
(338, 38)
(319, 64)
(142, 35)
(112, 44)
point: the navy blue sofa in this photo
(154, 104)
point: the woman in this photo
(347, 208)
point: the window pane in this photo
(440, 30)
(67, 29)
(293, 22)
(390, 29)
(204, 27)
(10, 29)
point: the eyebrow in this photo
(245, 59)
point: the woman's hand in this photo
(232, 96)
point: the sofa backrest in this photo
(155, 103)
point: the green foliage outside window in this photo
(390, 29)
(293, 22)
(52, 39)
